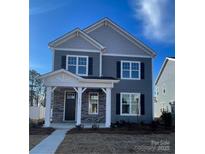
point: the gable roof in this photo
(59, 71)
(163, 67)
(72, 34)
(107, 21)
(82, 79)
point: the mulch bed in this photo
(41, 131)
(123, 130)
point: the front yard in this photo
(109, 141)
(36, 135)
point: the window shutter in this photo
(63, 62)
(90, 66)
(118, 103)
(142, 71)
(142, 104)
(118, 69)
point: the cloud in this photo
(157, 17)
(39, 7)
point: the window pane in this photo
(126, 74)
(94, 97)
(125, 109)
(135, 66)
(72, 69)
(72, 60)
(134, 109)
(82, 61)
(93, 102)
(82, 70)
(134, 104)
(125, 99)
(94, 108)
(135, 74)
(126, 65)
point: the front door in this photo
(70, 106)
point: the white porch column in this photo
(79, 106)
(108, 108)
(48, 107)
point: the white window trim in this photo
(89, 103)
(139, 104)
(130, 78)
(77, 57)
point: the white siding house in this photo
(165, 88)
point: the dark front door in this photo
(70, 106)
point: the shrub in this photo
(166, 118)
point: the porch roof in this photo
(64, 78)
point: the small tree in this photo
(36, 89)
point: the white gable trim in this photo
(77, 81)
(108, 22)
(76, 33)
(59, 71)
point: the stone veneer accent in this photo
(90, 118)
(58, 106)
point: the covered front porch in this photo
(72, 104)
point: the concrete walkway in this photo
(50, 144)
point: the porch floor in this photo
(72, 125)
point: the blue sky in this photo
(151, 21)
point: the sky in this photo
(150, 21)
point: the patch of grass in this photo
(114, 143)
(40, 131)
(36, 135)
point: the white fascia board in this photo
(74, 49)
(59, 71)
(61, 38)
(80, 84)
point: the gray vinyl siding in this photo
(77, 43)
(95, 56)
(115, 42)
(167, 82)
(139, 86)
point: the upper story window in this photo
(130, 70)
(77, 64)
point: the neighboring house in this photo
(100, 74)
(165, 88)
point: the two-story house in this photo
(100, 74)
(165, 88)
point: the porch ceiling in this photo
(65, 78)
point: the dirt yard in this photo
(36, 135)
(117, 143)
